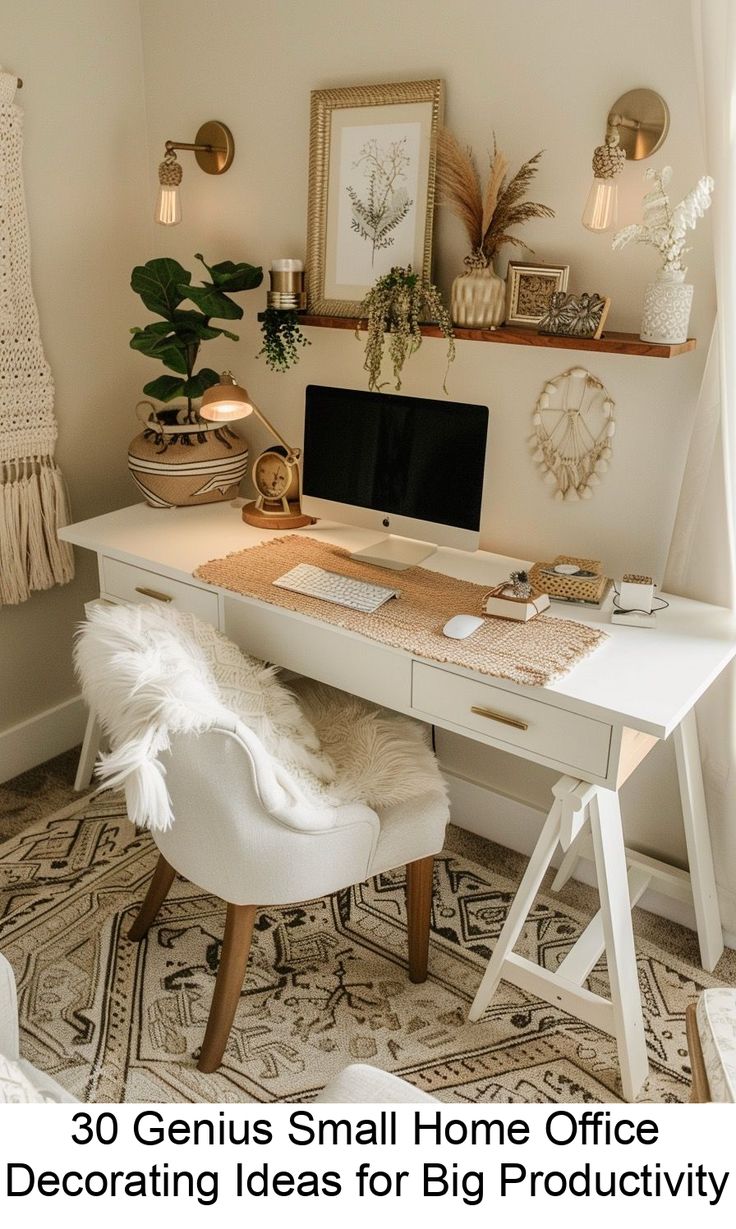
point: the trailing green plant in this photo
(281, 338)
(397, 304)
(163, 285)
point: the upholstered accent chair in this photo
(20, 1081)
(249, 816)
(711, 1039)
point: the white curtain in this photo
(701, 559)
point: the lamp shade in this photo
(226, 401)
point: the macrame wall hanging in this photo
(33, 503)
(573, 433)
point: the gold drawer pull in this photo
(154, 593)
(502, 717)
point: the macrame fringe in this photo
(33, 507)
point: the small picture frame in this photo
(529, 289)
(372, 168)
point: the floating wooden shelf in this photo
(609, 343)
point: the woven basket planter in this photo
(176, 464)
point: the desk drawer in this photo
(133, 584)
(580, 743)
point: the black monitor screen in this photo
(405, 455)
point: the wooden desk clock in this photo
(275, 472)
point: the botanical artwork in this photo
(372, 167)
(572, 440)
(385, 201)
(375, 225)
(575, 315)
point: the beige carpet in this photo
(326, 985)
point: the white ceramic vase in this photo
(666, 313)
(478, 299)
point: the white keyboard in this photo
(332, 587)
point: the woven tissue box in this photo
(585, 584)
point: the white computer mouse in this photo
(460, 626)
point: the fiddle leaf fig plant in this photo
(163, 285)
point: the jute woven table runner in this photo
(532, 653)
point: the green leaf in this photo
(165, 388)
(161, 342)
(235, 277)
(227, 275)
(195, 326)
(212, 302)
(162, 284)
(200, 382)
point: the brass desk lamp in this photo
(275, 472)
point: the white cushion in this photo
(410, 830)
(716, 1016)
(361, 1084)
(16, 1088)
(8, 1010)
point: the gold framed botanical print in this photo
(372, 164)
(529, 289)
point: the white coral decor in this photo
(664, 226)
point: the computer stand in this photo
(398, 554)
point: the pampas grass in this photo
(487, 215)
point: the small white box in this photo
(636, 593)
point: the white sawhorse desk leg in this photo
(89, 753)
(698, 887)
(576, 803)
(697, 836)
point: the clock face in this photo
(271, 475)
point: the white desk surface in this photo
(646, 679)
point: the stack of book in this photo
(569, 579)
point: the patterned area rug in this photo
(326, 984)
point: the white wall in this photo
(85, 167)
(541, 75)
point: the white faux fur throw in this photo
(149, 672)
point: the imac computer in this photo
(409, 465)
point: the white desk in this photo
(594, 726)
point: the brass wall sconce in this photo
(637, 126)
(214, 149)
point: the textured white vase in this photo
(478, 299)
(666, 313)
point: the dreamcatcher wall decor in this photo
(573, 433)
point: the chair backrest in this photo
(237, 834)
(148, 674)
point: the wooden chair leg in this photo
(419, 877)
(158, 890)
(233, 962)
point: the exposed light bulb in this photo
(225, 401)
(222, 411)
(168, 206)
(601, 207)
